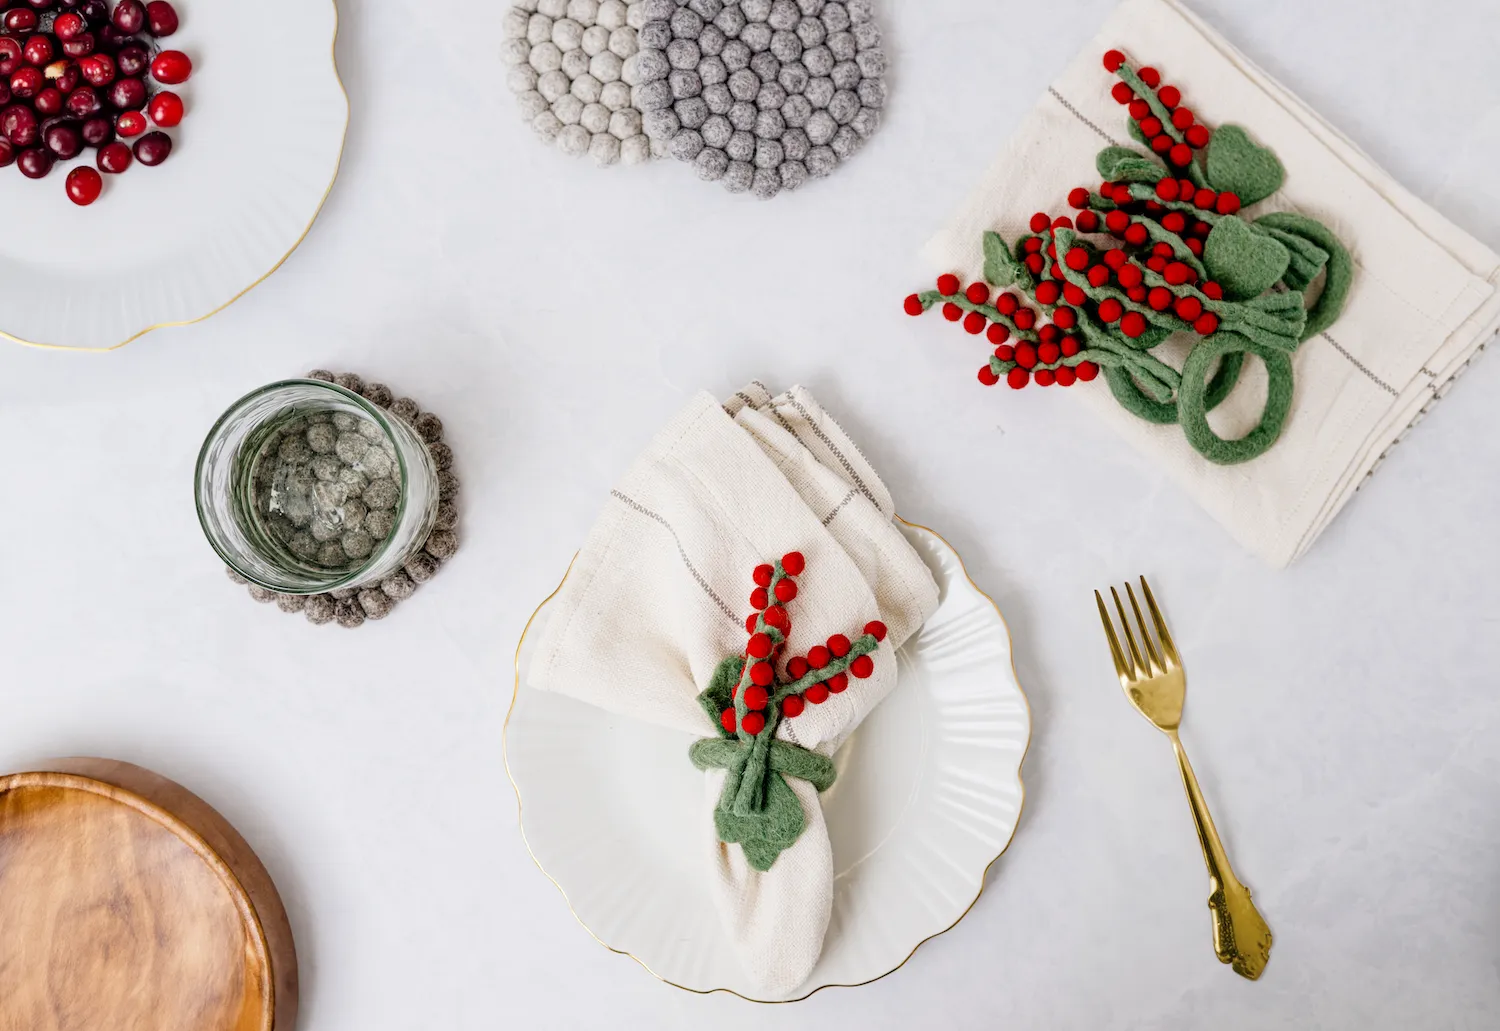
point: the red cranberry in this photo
(171, 67)
(4, 91)
(130, 123)
(10, 55)
(63, 140)
(19, 19)
(18, 123)
(80, 45)
(41, 5)
(7, 153)
(112, 39)
(34, 162)
(153, 148)
(98, 130)
(129, 16)
(49, 101)
(98, 69)
(70, 79)
(127, 94)
(27, 82)
(162, 16)
(133, 59)
(114, 157)
(69, 25)
(95, 12)
(165, 109)
(83, 102)
(84, 185)
(38, 50)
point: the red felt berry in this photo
(753, 723)
(988, 376)
(1197, 137)
(817, 694)
(1036, 263)
(761, 673)
(818, 656)
(952, 312)
(1206, 324)
(1006, 304)
(1205, 198)
(1137, 234)
(1156, 263)
(1174, 221)
(1076, 259)
(1117, 221)
(751, 622)
(793, 563)
(862, 667)
(1150, 76)
(1213, 290)
(1062, 222)
(1066, 377)
(974, 323)
(1047, 293)
(1133, 324)
(759, 599)
(1137, 293)
(1129, 276)
(1098, 275)
(1017, 378)
(792, 706)
(947, 284)
(1166, 189)
(1026, 354)
(763, 575)
(727, 721)
(1024, 318)
(876, 629)
(1121, 193)
(1170, 96)
(1180, 155)
(756, 697)
(1140, 109)
(1056, 272)
(1196, 246)
(838, 683)
(1088, 222)
(1188, 308)
(1153, 208)
(776, 616)
(786, 590)
(1074, 295)
(1161, 249)
(1041, 222)
(1151, 127)
(1112, 60)
(977, 293)
(912, 305)
(1161, 144)
(1044, 377)
(1202, 229)
(1122, 93)
(1032, 244)
(1115, 257)
(1087, 371)
(759, 646)
(839, 645)
(1110, 310)
(1065, 318)
(1227, 204)
(1071, 346)
(1177, 273)
(1048, 353)
(1182, 117)
(1078, 197)
(1047, 333)
(1005, 353)
(1160, 298)
(997, 334)
(797, 668)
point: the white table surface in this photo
(1341, 713)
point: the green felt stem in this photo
(1163, 114)
(1340, 266)
(989, 311)
(862, 645)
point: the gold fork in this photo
(1155, 683)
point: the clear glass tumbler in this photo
(304, 487)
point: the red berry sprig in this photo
(1156, 110)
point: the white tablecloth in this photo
(1340, 713)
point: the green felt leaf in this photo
(1126, 165)
(1000, 266)
(765, 834)
(1238, 165)
(1245, 263)
(719, 694)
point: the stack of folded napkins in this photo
(1423, 297)
(660, 597)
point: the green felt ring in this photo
(1340, 270)
(1134, 400)
(1193, 396)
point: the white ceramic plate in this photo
(254, 157)
(927, 797)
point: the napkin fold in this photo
(658, 598)
(1422, 303)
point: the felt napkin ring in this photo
(747, 698)
(1182, 258)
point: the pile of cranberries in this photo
(75, 74)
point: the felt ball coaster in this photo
(568, 60)
(760, 95)
(349, 607)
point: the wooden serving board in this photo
(128, 904)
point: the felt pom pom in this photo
(1121, 193)
(1162, 144)
(977, 293)
(952, 312)
(776, 616)
(1137, 235)
(974, 323)
(1110, 310)
(1098, 276)
(792, 563)
(1185, 190)
(1150, 76)
(751, 622)
(1162, 249)
(1024, 318)
(1206, 324)
(1122, 93)
(988, 376)
(1047, 333)
(1071, 346)
(1180, 155)
(1065, 318)
(761, 673)
(947, 284)
(862, 667)
(1151, 127)
(817, 694)
(1026, 354)
(838, 683)
(1227, 204)
(839, 645)
(1047, 293)
(1166, 189)
(1139, 109)
(797, 668)
(1017, 378)
(1213, 290)
(1197, 137)
(1205, 198)
(818, 657)
(1078, 197)
(1137, 294)
(998, 333)
(1170, 96)
(876, 629)
(1196, 246)
(1133, 324)
(1088, 222)
(727, 721)
(913, 305)
(1033, 244)
(1006, 304)
(1066, 377)
(1077, 259)
(1112, 60)
(1182, 118)
(1129, 276)
(1044, 377)
(1117, 221)
(1035, 262)
(759, 599)
(753, 724)
(1074, 295)
(786, 590)
(1188, 308)
(1048, 353)
(763, 575)
(1156, 263)
(1177, 273)
(759, 646)
(1040, 222)
(1062, 222)
(1115, 258)
(1160, 298)
(792, 706)
(1173, 221)
(756, 697)
(1005, 353)
(1087, 371)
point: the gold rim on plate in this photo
(343, 139)
(984, 877)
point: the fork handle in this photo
(1241, 937)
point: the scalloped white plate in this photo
(251, 164)
(928, 795)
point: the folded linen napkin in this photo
(1422, 298)
(656, 608)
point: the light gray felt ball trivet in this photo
(350, 607)
(760, 95)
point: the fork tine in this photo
(1157, 665)
(1129, 637)
(1122, 666)
(1168, 648)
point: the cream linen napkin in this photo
(1423, 300)
(658, 598)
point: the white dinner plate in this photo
(251, 163)
(927, 797)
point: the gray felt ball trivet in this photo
(350, 607)
(760, 95)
